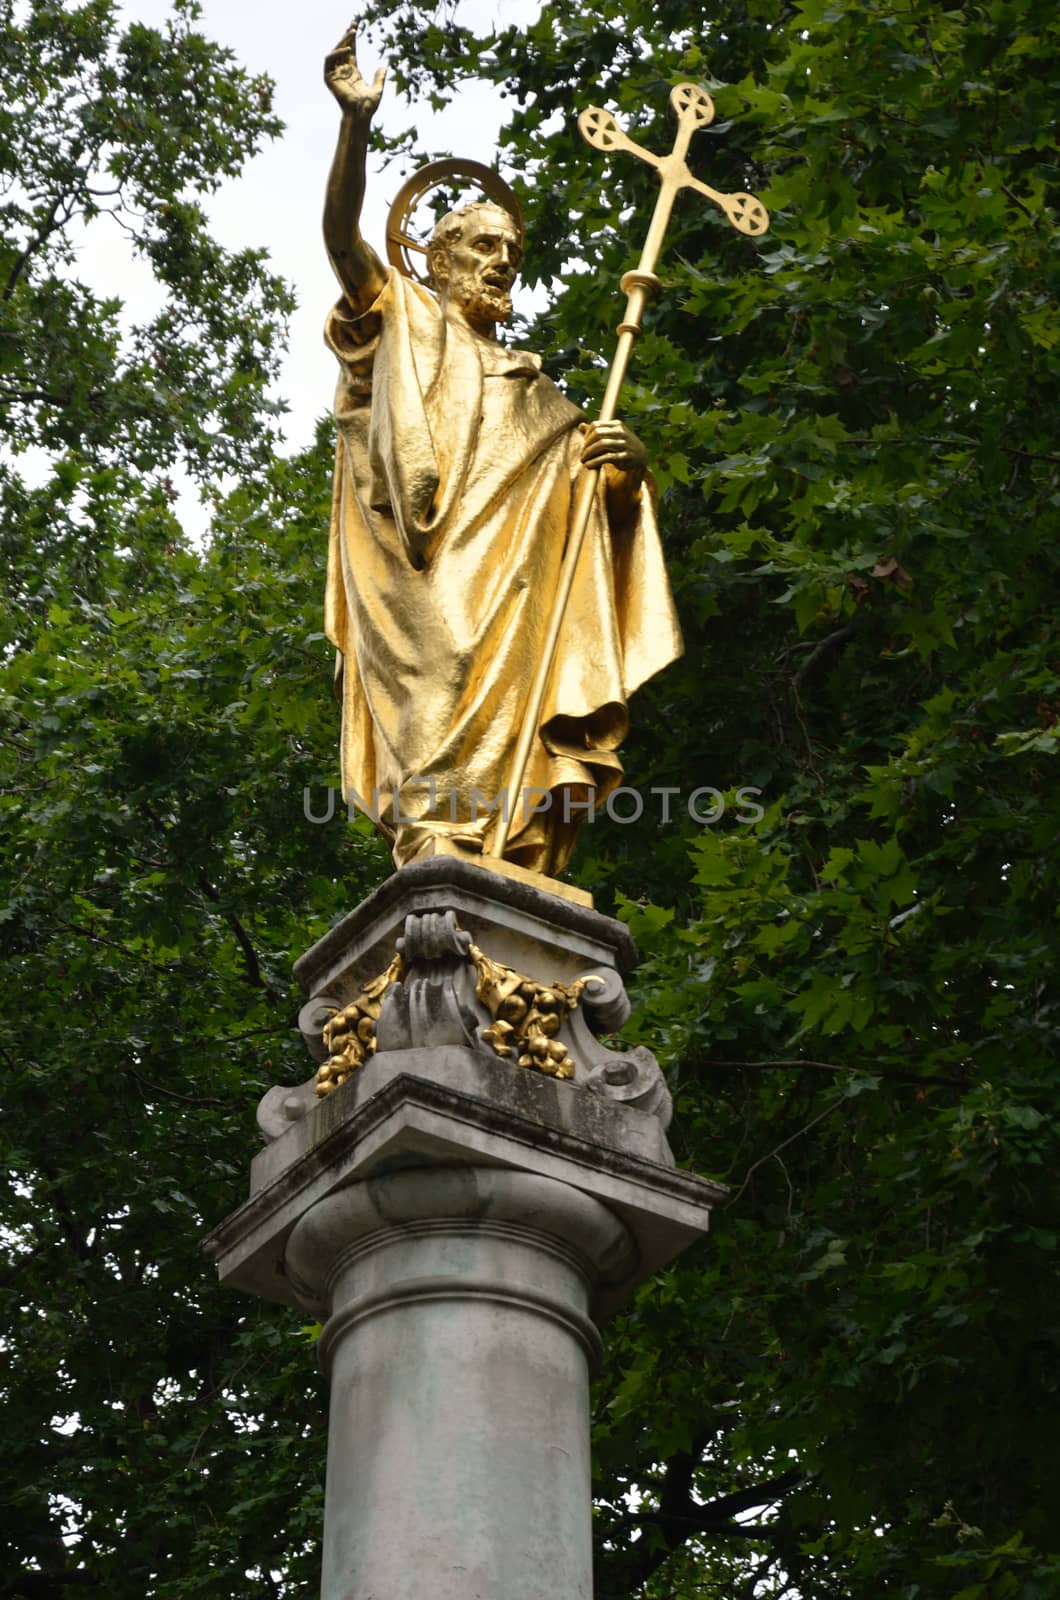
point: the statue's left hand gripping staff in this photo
(695, 109)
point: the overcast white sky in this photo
(278, 201)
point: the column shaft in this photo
(458, 1349)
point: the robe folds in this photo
(454, 471)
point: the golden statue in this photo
(455, 467)
(496, 588)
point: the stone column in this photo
(458, 1348)
(469, 1187)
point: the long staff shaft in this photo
(641, 284)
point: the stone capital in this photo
(470, 1185)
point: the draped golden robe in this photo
(453, 479)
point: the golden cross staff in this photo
(695, 109)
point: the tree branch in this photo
(52, 221)
(250, 955)
(798, 1134)
(716, 1514)
(952, 444)
(918, 1080)
(728, 1506)
(113, 944)
(679, 1516)
(210, 1039)
(43, 1585)
(76, 1237)
(21, 396)
(832, 642)
(171, 1094)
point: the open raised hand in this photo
(343, 77)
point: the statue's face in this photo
(480, 266)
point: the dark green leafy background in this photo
(851, 1389)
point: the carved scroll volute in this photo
(433, 1003)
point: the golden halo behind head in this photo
(399, 239)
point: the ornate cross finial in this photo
(695, 109)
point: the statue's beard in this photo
(479, 300)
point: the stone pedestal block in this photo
(463, 1223)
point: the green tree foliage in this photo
(127, 132)
(155, 707)
(851, 1389)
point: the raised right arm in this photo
(355, 263)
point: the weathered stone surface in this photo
(537, 933)
(463, 1224)
(455, 1107)
(447, 921)
(458, 1349)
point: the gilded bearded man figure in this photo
(454, 473)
